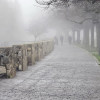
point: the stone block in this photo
(6, 62)
(30, 54)
(20, 57)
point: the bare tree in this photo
(37, 28)
(85, 9)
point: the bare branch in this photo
(79, 22)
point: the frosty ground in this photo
(68, 73)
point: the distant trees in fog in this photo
(84, 13)
(82, 9)
(37, 28)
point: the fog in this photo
(20, 20)
(50, 49)
(24, 21)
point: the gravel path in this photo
(68, 73)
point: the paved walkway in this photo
(68, 73)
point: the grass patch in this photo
(96, 55)
(93, 51)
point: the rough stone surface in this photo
(20, 57)
(29, 54)
(6, 62)
(68, 73)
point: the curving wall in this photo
(19, 57)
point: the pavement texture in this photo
(68, 73)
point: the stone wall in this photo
(19, 57)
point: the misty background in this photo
(23, 21)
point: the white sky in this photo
(31, 12)
(27, 13)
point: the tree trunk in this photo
(86, 37)
(92, 37)
(98, 36)
(73, 36)
(78, 37)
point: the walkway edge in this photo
(90, 55)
